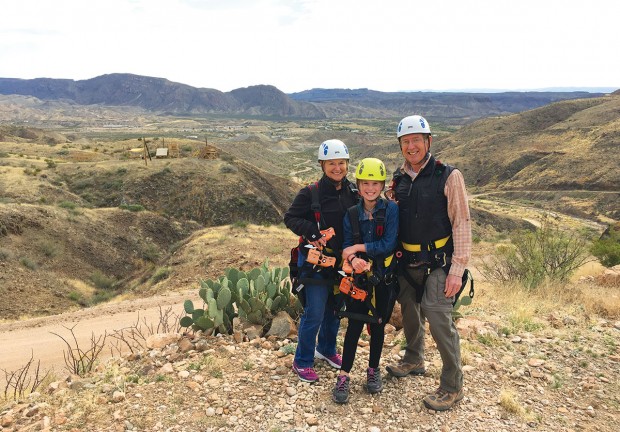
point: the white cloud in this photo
(296, 45)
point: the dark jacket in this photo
(300, 219)
(423, 205)
(377, 248)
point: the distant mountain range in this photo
(162, 96)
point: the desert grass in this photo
(508, 400)
(527, 310)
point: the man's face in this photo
(414, 148)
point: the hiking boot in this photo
(340, 393)
(442, 400)
(334, 361)
(373, 380)
(305, 374)
(402, 369)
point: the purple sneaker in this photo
(334, 361)
(305, 374)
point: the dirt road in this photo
(21, 339)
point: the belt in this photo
(418, 248)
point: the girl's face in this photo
(370, 190)
(335, 169)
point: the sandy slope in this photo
(20, 339)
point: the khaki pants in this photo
(437, 309)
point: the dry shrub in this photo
(610, 280)
(525, 308)
(600, 300)
(508, 401)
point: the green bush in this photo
(227, 169)
(28, 263)
(5, 254)
(68, 205)
(49, 248)
(533, 257)
(150, 253)
(132, 207)
(161, 274)
(607, 248)
(102, 281)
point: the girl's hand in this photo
(348, 252)
(359, 265)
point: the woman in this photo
(335, 194)
(369, 242)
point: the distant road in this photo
(588, 222)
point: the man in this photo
(434, 249)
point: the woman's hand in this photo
(320, 243)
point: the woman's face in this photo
(335, 169)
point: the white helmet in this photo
(333, 149)
(413, 124)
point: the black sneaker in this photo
(340, 393)
(373, 380)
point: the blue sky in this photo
(295, 45)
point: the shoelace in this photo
(372, 377)
(342, 383)
(441, 393)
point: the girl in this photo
(370, 245)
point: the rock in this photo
(185, 345)
(166, 369)
(201, 345)
(210, 412)
(535, 362)
(469, 327)
(193, 385)
(397, 317)
(160, 340)
(569, 320)
(6, 420)
(77, 385)
(282, 326)
(183, 374)
(291, 391)
(312, 421)
(253, 332)
(118, 396)
(267, 346)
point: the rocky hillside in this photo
(563, 147)
(529, 362)
(163, 96)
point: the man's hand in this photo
(453, 285)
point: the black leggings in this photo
(355, 327)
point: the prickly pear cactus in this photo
(255, 296)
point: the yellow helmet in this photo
(370, 169)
